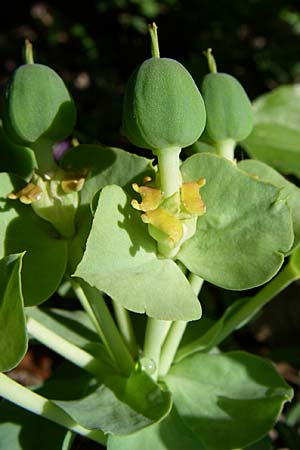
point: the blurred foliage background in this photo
(96, 44)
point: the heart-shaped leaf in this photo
(13, 337)
(121, 260)
(275, 138)
(241, 240)
(22, 231)
(236, 395)
(288, 190)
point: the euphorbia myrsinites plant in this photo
(129, 234)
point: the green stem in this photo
(95, 305)
(254, 304)
(154, 40)
(212, 65)
(176, 333)
(156, 331)
(37, 404)
(43, 152)
(125, 327)
(28, 52)
(168, 169)
(225, 148)
(63, 347)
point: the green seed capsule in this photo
(38, 105)
(228, 108)
(163, 107)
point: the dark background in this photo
(95, 45)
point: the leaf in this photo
(171, 433)
(236, 395)
(276, 134)
(13, 337)
(106, 165)
(120, 405)
(21, 230)
(241, 239)
(120, 259)
(289, 191)
(263, 444)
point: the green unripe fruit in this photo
(38, 105)
(163, 107)
(228, 108)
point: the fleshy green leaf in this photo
(133, 404)
(276, 134)
(13, 337)
(234, 395)
(120, 259)
(289, 191)
(21, 230)
(171, 433)
(241, 239)
(106, 165)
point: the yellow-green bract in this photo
(228, 108)
(163, 107)
(38, 105)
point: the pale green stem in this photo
(154, 40)
(176, 333)
(156, 331)
(28, 52)
(37, 404)
(63, 347)
(225, 148)
(168, 169)
(95, 305)
(125, 327)
(212, 65)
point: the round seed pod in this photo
(38, 105)
(162, 107)
(228, 108)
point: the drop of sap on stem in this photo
(148, 365)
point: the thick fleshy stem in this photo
(125, 326)
(156, 331)
(176, 333)
(169, 170)
(37, 404)
(225, 148)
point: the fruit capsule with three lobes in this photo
(38, 106)
(163, 107)
(228, 108)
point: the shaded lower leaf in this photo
(120, 405)
(169, 434)
(289, 191)
(13, 337)
(241, 240)
(236, 395)
(22, 231)
(121, 260)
